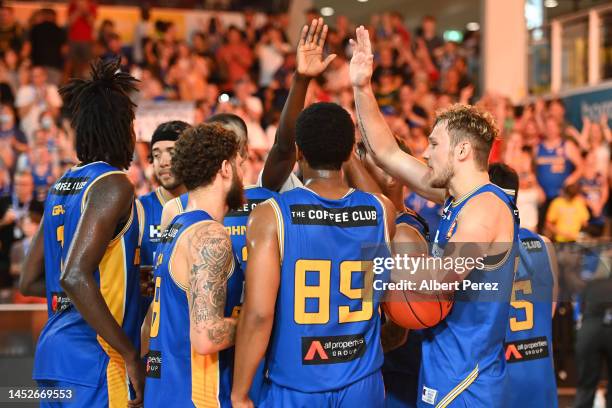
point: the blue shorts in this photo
(84, 396)
(401, 390)
(367, 392)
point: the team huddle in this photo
(209, 293)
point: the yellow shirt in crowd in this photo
(568, 217)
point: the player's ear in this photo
(226, 169)
(462, 150)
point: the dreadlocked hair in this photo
(102, 114)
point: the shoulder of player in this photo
(485, 203)
(386, 202)
(405, 233)
(488, 209)
(264, 214)
(205, 233)
(113, 188)
(170, 209)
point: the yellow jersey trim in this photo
(280, 227)
(462, 386)
(141, 221)
(467, 195)
(113, 277)
(205, 379)
(161, 196)
(385, 226)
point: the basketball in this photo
(417, 310)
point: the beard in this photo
(235, 196)
(171, 184)
(442, 180)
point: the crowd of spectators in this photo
(564, 173)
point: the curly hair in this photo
(199, 153)
(102, 114)
(466, 122)
(325, 133)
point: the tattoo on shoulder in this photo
(210, 249)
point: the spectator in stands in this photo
(433, 42)
(558, 163)
(36, 98)
(10, 132)
(235, 56)
(46, 45)
(244, 91)
(594, 188)
(596, 137)
(11, 33)
(20, 249)
(271, 54)
(567, 215)
(114, 50)
(45, 170)
(81, 18)
(531, 195)
(143, 30)
(7, 225)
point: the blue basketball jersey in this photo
(552, 168)
(153, 205)
(463, 356)
(176, 374)
(327, 326)
(68, 348)
(529, 351)
(235, 222)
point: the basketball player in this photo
(84, 256)
(456, 370)
(309, 277)
(529, 335)
(162, 148)
(196, 288)
(235, 221)
(402, 347)
(277, 172)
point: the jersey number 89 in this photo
(322, 291)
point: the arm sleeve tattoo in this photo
(210, 250)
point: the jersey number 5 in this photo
(523, 286)
(156, 309)
(319, 294)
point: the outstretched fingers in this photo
(323, 36)
(303, 35)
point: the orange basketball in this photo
(418, 311)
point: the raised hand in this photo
(360, 69)
(310, 60)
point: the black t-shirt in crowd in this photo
(47, 39)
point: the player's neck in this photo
(328, 183)
(209, 199)
(465, 182)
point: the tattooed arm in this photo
(375, 133)
(210, 263)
